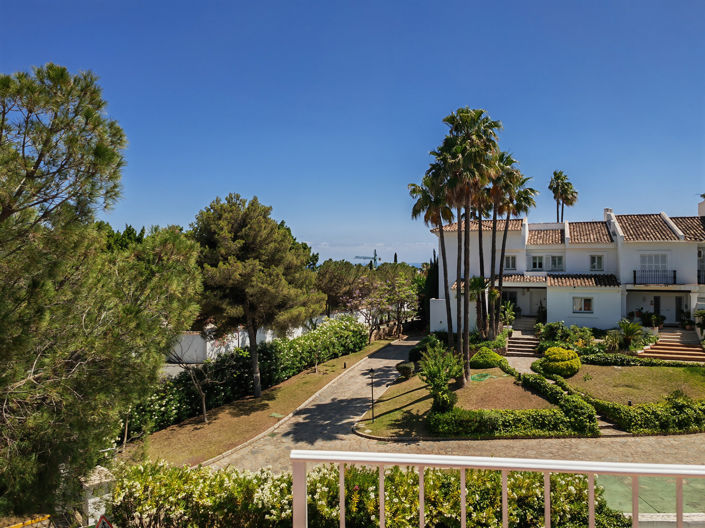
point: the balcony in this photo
(299, 459)
(654, 276)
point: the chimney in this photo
(701, 207)
(608, 213)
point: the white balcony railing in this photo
(299, 458)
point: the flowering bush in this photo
(155, 495)
(175, 400)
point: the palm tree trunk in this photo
(254, 359)
(449, 315)
(466, 290)
(482, 316)
(558, 204)
(562, 210)
(459, 264)
(493, 276)
(501, 265)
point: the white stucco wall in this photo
(437, 315)
(682, 257)
(607, 306)
(578, 259)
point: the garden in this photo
(583, 374)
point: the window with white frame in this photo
(536, 262)
(557, 262)
(653, 261)
(510, 262)
(596, 263)
(582, 304)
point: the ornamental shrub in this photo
(485, 358)
(406, 369)
(155, 495)
(416, 352)
(561, 361)
(438, 367)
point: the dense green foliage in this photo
(84, 324)
(573, 337)
(177, 399)
(623, 360)
(485, 358)
(438, 367)
(416, 352)
(406, 369)
(561, 361)
(336, 279)
(158, 496)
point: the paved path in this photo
(326, 423)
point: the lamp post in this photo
(372, 390)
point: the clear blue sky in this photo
(326, 110)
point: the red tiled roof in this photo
(516, 277)
(645, 227)
(546, 237)
(589, 233)
(582, 280)
(514, 225)
(693, 227)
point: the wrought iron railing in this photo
(299, 458)
(655, 277)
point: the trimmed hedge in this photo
(485, 358)
(175, 400)
(406, 369)
(157, 495)
(623, 360)
(561, 361)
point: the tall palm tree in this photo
(475, 287)
(519, 200)
(476, 133)
(569, 197)
(557, 187)
(431, 202)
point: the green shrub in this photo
(416, 352)
(561, 361)
(486, 423)
(623, 360)
(155, 495)
(485, 358)
(406, 369)
(438, 367)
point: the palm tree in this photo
(556, 186)
(476, 134)
(569, 196)
(475, 288)
(431, 203)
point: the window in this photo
(510, 262)
(653, 261)
(582, 304)
(596, 263)
(537, 263)
(557, 262)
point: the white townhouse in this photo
(591, 273)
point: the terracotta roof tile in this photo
(546, 237)
(589, 233)
(693, 227)
(514, 225)
(516, 277)
(645, 227)
(582, 280)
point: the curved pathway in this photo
(326, 424)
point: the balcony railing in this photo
(299, 459)
(655, 277)
(701, 276)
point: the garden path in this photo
(326, 423)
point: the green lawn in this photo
(638, 384)
(402, 410)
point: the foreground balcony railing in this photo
(654, 276)
(299, 459)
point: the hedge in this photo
(561, 361)
(155, 495)
(623, 360)
(174, 400)
(485, 358)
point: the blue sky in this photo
(327, 110)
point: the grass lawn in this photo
(638, 384)
(402, 409)
(192, 441)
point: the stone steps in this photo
(522, 346)
(681, 345)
